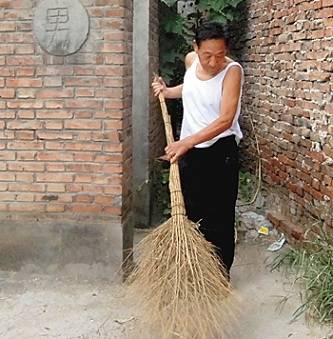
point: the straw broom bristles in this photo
(178, 282)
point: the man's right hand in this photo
(159, 86)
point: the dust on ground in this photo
(68, 306)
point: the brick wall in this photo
(286, 50)
(65, 122)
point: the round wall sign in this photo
(61, 26)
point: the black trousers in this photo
(209, 179)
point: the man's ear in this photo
(227, 51)
(195, 46)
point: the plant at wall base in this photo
(246, 188)
(160, 198)
(313, 265)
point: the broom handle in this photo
(177, 199)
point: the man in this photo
(207, 148)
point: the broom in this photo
(178, 282)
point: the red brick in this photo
(113, 82)
(26, 114)
(7, 135)
(54, 156)
(113, 189)
(7, 49)
(54, 114)
(7, 196)
(53, 197)
(24, 124)
(92, 188)
(327, 3)
(26, 93)
(55, 167)
(84, 114)
(82, 124)
(41, 135)
(22, 187)
(74, 188)
(83, 156)
(25, 155)
(116, 36)
(7, 93)
(113, 148)
(25, 104)
(53, 145)
(85, 92)
(55, 125)
(104, 199)
(26, 166)
(113, 210)
(79, 146)
(24, 197)
(7, 72)
(110, 93)
(24, 82)
(24, 26)
(53, 104)
(25, 71)
(24, 49)
(85, 208)
(54, 177)
(7, 155)
(24, 177)
(83, 104)
(27, 145)
(96, 12)
(58, 188)
(55, 207)
(24, 135)
(53, 81)
(84, 70)
(84, 198)
(26, 207)
(55, 93)
(109, 158)
(7, 26)
(54, 70)
(24, 60)
(83, 178)
(82, 81)
(111, 70)
(3, 186)
(7, 176)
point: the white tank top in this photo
(201, 102)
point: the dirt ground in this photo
(67, 306)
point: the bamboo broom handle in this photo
(177, 199)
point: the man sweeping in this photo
(207, 149)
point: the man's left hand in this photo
(177, 149)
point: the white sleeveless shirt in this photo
(201, 102)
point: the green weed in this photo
(313, 265)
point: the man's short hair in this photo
(211, 30)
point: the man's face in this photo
(212, 55)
